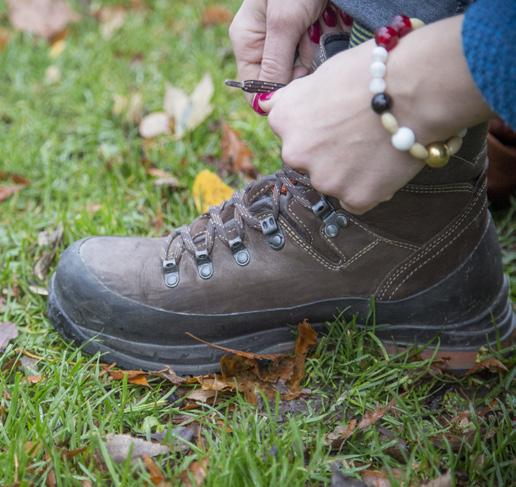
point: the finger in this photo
(307, 51)
(279, 51)
(266, 101)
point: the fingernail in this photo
(256, 102)
(346, 19)
(329, 16)
(314, 32)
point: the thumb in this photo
(266, 101)
(279, 52)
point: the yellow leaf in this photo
(57, 48)
(209, 190)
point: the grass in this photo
(76, 154)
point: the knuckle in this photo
(270, 67)
(357, 202)
(278, 22)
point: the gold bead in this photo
(438, 155)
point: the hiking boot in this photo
(245, 273)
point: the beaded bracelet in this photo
(436, 154)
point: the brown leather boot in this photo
(279, 252)
(244, 274)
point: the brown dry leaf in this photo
(189, 111)
(44, 18)
(216, 15)
(340, 434)
(49, 242)
(8, 332)
(57, 48)
(375, 478)
(171, 376)
(444, 480)
(68, 454)
(209, 190)
(163, 178)
(137, 377)
(200, 395)
(120, 446)
(93, 208)
(34, 379)
(155, 472)
(154, 124)
(372, 417)
(236, 155)
(250, 373)
(196, 473)
(8, 190)
(111, 19)
(4, 37)
(492, 364)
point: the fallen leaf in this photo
(155, 472)
(34, 379)
(209, 190)
(154, 124)
(40, 290)
(200, 395)
(444, 480)
(8, 332)
(163, 178)
(236, 155)
(120, 447)
(68, 454)
(492, 364)
(19, 183)
(216, 15)
(111, 19)
(340, 434)
(5, 35)
(137, 377)
(93, 208)
(171, 376)
(372, 417)
(50, 242)
(338, 479)
(249, 373)
(188, 112)
(196, 473)
(44, 18)
(52, 75)
(375, 478)
(57, 48)
(130, 107)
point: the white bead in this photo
(380, 54)
(377, 85)
(454, 144)
(418, 151)
(416, 23)
(389, 122)
(463, 133)
(377, 69)
(403, 139)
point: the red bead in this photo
(386, 37)
(401, 24)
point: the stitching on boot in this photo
(308, 250)
(440, 251)
(298, 219)
(403, 245)
(384, 288)
(359, 254)
(438, 188)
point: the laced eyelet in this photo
(271, 229)
(204, 264)
(333, 220)
(171, 273)
(240, 252)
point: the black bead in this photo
(381, 102)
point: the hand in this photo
(266, 33)
(329, 130)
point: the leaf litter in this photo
(16, 184)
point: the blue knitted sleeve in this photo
(489, 41)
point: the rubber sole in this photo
(203, 359)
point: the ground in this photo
(86, 173)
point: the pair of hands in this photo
(324, 119)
